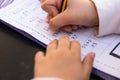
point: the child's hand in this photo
(77, 13)
(63, 60)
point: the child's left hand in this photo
(63, 60)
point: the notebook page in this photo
(28, 16)
(4, 3)
(1, 1)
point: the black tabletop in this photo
(17, 55)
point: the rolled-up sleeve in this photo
(109, 16)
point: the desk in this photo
(17, 55)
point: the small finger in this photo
(39, 57)
(39, 60)
(52, 46)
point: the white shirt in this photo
(109, 20)
(109, 16)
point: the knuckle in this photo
(51, 23)
(76, 42)
(42, 5)
(52, 43)
(64, 38)
(37, 55)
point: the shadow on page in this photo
(4, 3)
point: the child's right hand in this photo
(77, 13)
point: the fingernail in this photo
(92, 55)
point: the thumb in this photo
(38, 59)
(60, 20)
(87, 63)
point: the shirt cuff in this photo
(47, 79)
(108, 11)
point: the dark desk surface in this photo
(17, 55)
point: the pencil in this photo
(63, 5)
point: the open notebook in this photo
(27, 17)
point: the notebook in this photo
(27, 18)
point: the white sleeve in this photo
(47, 79)
(109, 16)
